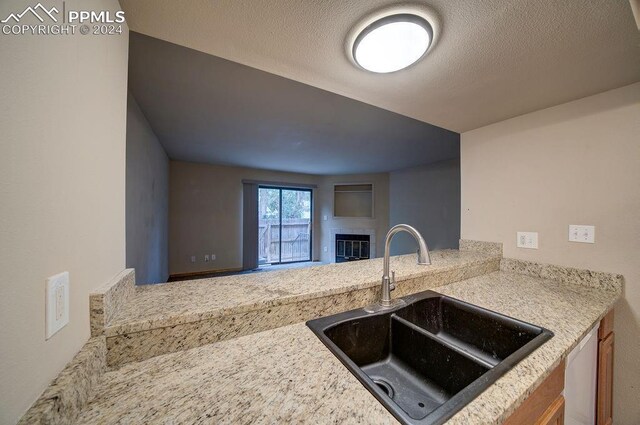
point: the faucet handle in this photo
(392, 282)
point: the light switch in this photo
(326, 249)
(582, 233)
(527, 240)
(57, 303)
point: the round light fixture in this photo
(392, 43)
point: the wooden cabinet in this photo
(545, 406)
(554, 415)
(604, 402)
(540, 403)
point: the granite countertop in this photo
(286, 375)
(153, 306)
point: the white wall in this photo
(577, 163)
(428, 198)
(62, 191)
(205, 213)
(147, 200)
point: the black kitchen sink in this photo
(427, 359)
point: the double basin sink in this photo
(428, 358)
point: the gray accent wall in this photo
(428, 198)
(147, 199)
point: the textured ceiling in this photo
(493, 59)
(207, 109)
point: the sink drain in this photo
(384, 386)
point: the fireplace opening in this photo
(352, 247)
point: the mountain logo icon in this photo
(34, 11)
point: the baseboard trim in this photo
(204, 272)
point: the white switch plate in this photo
(326, 249)
(527, 240)
(57, 303)
(213, 257)
(206, 258)
(324, 217)
(582, 233)
(193, 258)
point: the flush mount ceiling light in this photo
(391, 40)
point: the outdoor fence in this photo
(295, 240)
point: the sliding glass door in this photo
(284, 225)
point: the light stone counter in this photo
(168, 304)
(161, 319)
(286, 375)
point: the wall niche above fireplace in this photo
(353, 200)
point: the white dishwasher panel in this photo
(580, 381)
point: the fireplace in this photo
(352, 247)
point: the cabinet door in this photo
(605, 381)
(543, 400)
(554, 415)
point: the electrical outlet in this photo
(581, 233)
(206, 258)
(527, 240)
(213, 257)
(57, 303)
(193, 258)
